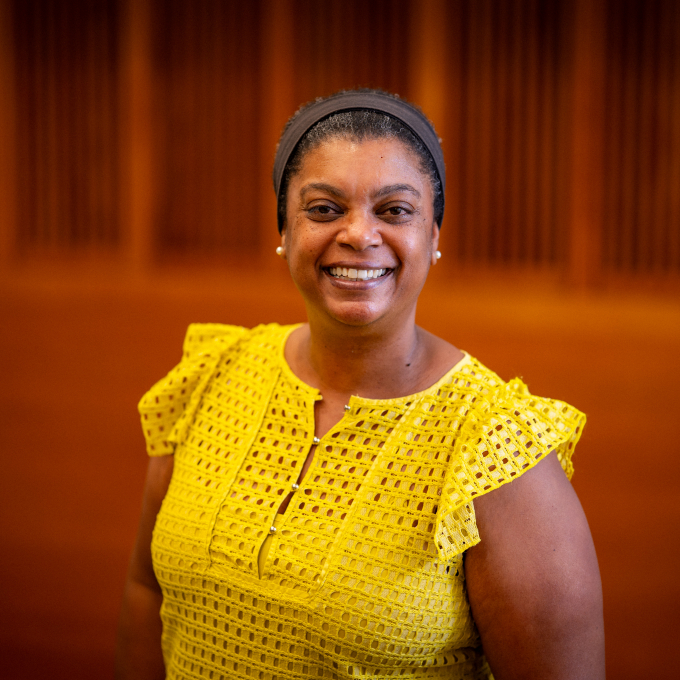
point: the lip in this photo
(359, 283)
(357, 265)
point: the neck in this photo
(374, 361)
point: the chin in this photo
(356, 314)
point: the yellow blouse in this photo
(363, 574)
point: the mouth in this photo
(351, 274)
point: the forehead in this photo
(352, 159)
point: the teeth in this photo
(357, 274)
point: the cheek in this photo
(417, 247)
(310, 240)
(303, 249)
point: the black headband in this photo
(411, 117)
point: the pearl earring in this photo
(437, 254)
(279, 251)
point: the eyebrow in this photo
(395, 188)
(321, 186)
(334, 191)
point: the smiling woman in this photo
(354, 496)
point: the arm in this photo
(138, 648)
(533, 581)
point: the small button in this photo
(296, 487)
(347, 407)
(316, 440)
(272, 530)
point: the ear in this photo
(434, 243)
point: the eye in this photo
(323, 212)
(396, 213)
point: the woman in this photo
(336, 496)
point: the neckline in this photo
(285, 367)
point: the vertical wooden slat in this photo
(629, 190)
(51, 69)
(109, 205)
(499, 181)
(450, 130)
(672, 213)
(205, 82)
(8, 165)
(192, 84)
(531, 195)
(428, 68)
(588, 129)
(205, 115)
(462, 134)
(646, 227)
(137, 170)
(27, 143)
(483, 151)
(612, 147)
(431, 81)
(516, 133)
(547, 90)
(470, 135)
(88, 228)
(217, 104)
(662, 136)
(278, 104)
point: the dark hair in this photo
(359, 125)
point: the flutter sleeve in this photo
(171, 401)
(505, 434)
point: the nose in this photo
(360, 232)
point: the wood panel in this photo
(641, 231)
(506, 175)
(8, 193)
(67, 125)
(350, 43)
(216, 78)
(206, 120)
(211, 104)
(587, 129)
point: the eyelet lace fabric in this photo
(363, 576)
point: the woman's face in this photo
(360, 234)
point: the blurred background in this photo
(136, 145)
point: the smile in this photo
(356, 274)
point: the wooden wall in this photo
(67, 125)
(142, 132)
(641, 228)
(147, 128)
(207, 111)
(504, 131)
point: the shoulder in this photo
(500, 431)
(170, 402)
(201, 336)
(504, 419)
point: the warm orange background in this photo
(137, 138)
